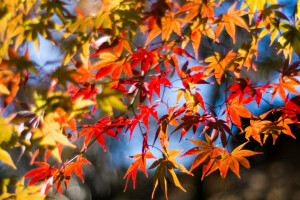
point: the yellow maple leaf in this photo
(5, 157)
(49, 135)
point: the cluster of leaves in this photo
(127, 83)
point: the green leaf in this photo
(110, 98)
(290, 38)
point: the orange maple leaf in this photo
(284, 84)
(230, 20)
(232, 160)
(255, 128)
(207, 155)
(140, 162)
(196, 8)
(196, 35)
(276, 128)
(169, 24)
(219, 64)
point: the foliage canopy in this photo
(126, 80)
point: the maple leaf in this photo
(285, 124)
(196, 8)
(188, 122)
(188, 79)
(229, 20)
(109, 98)
(50, 135)
(274, 29)
(245, 55)
(161, 130)
(25, 193)
(276, 128)
(111, 63)
(258, 92)
(292, 108)
(235, 110)
(9, 83)
(106, 62)
(87, 91)
(76, 167)
(145, 111)
(45, 171)
(255, 128)
(103, 126)
(219, 64)
(266, 127)
(206, 156)
(165, 169)
(67, 170)
(232, 160)
(290, 39)
(270, 16)
(6, 135)
(284, 84)
(191, 80)
(194, 100)
(140, 162)
(145, 58)
(240, 88)
(170, 24)
(254, 5)
(153, 34)
(197, 29)
(154, 85)
(287, 79)
(177, 50)
(164, 122)
(290, 70)
(63, 75)
(5, 157)
(137, 84)
(218, 127)
(64, 120)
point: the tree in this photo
(127, 80)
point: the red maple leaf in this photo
(103, 126)
(218, 128)
(40, 174)
(154, 85)
(145, 58)
(145, 111)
